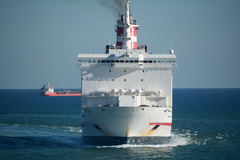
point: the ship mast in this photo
(127, 38)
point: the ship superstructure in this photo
(126, 91)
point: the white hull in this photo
(126, 125)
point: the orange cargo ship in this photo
(47, 90)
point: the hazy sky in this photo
(40, 39)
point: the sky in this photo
(40, 39)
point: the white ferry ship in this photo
(126, 91)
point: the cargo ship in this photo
(47, 90)
(126, 91)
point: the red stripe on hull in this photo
(164, 124)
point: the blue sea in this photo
(206, 125)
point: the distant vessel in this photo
(47, 90)
(127, 91)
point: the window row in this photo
(127, 61)
(123, 71)
(123, 80)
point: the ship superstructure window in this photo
(125, 80)
(126, 61)
(110, 71)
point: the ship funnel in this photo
(126, 30)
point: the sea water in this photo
(206, 125)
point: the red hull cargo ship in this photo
(47, 90)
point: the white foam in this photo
(176, 140)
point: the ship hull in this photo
(126, 125)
